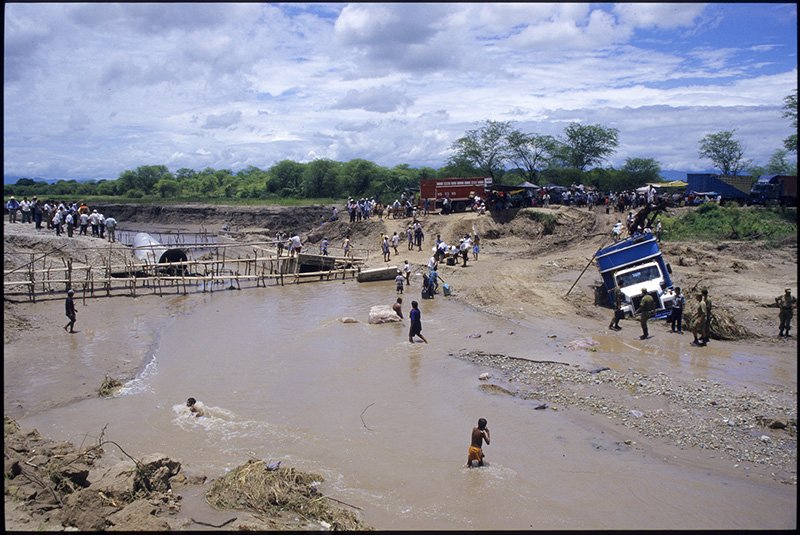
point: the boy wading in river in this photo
(479, 434)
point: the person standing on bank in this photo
(70, 311)
(479, 434)
(618, 314)
(709, 316)
(416, 323)
(676, 316)
(646, 307)
(786, 303)
(699, 321)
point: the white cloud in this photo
(659, 15)
(223, 120)
(93, 89)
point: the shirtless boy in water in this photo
(479, 434)
(196, 409)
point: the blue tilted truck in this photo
(635, 263)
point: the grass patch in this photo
(251, 487)
(548, 221)
(775, 226)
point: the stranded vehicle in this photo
(775, 189)
(635, 263)
(460, 191)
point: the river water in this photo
(387, 422)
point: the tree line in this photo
(495, 149)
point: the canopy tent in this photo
(527, 185)
(503, 187)
(673, 184)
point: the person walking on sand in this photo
(111, 229)
(12, 206)
(479, 434)
(385, 249)
(72, 313)
(416, 323)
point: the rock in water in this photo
(383, 314)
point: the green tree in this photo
(167, 187)
(357, 176)
(286, 178)
(143, 178)
(184, 173)
(790, 112)
(485, 148)
(530, 152)
(457, 166)
(725, 152)
(426, 172)
(779, 164)
(107, 187)
(319, 178)
(588, 145)
(642, 170)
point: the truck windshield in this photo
(637, 276)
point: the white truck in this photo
(635, 263)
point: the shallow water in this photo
(387, 423)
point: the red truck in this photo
(460, 191)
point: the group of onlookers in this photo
(62, 217)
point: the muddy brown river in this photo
(387, 423)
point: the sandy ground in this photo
(521, 273)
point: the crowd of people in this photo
(62, 218)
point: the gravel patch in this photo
(744, 426)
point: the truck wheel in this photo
(459, 206)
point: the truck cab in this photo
(647, 276)
(635, 263)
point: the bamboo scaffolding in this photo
(111, 279)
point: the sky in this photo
(92, 90)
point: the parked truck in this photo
(460, 191)
(775, 189)
(632, 264)
(731, 188)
